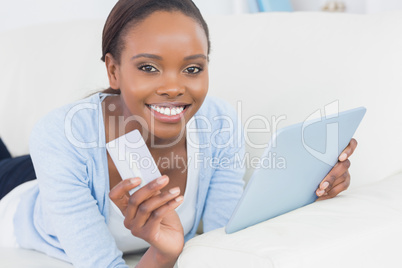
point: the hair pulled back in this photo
(127, 13)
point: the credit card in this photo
(133, 159)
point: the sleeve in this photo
(226, 185)
(70, 212)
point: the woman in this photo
(156, 56)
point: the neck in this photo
(155, 142)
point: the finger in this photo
(344, 179)
(119, 193)
(151, 189)
(148, 207)
(335, 190)
(154, 222)
(348, 150)
(337, 171)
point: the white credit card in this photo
(132, 158)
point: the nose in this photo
(171, 88)
(170, 92)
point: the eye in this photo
(193, 70)
(148, 68)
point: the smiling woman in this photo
(79, 209)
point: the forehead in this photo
(163, 29)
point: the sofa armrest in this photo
(360, 228)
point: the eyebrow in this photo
(153, 56)
(146, 55)
(193, 57)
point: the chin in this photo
(167, 136)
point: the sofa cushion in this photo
(49, 65)
(361, 228)
(285, 66)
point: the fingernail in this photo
(135, 180)
(179, 199)
(174, 191)
(161, 180)
(320, 193)
(325, 185)
(343, 156)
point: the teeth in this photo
(168, 110)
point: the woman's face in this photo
(163, 72)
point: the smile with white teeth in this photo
(168, 110)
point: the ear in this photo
(113, 70)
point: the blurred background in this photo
(20, 13)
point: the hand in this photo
(150, 214)
(338, 179)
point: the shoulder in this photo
(81, 109)
(214, 106)
(219, 124)
(216, 113)
(74, 122)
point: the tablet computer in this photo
(304, 154)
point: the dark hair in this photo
(127, 13)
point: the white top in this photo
(125, 241)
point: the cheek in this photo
(200, 88)
(136, 88)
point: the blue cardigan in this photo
(66, 216)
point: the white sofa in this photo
(276, 65)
